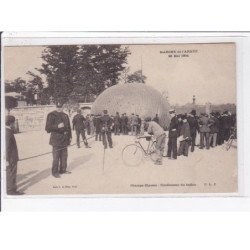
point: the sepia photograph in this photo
(120, 119)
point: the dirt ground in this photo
(204, 171)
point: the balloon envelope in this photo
(136, 98)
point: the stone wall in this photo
(32, 118)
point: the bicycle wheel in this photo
(153, 154)
(132, 155)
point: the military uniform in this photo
(133, 124)
(117, 123)
(79, 126)
(172, 138)
(97, 124)
(106, 124)
(124, 124)
(60, 138)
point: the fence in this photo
(31, 118)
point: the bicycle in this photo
(232, 138)
(133, 154)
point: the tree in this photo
(36, 86)
(10, 102)
(81, 72)
(100, 67)
(60, 69)
(18, 85)
(137, 76)
(27, 89)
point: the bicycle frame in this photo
(146, 152)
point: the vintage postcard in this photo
(120, 119)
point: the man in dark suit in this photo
(220, 133)
(106, 125)
(11, 157)
(194, 127)
(124, 124)
(172, 135)
(58, 125)
(97, 124)
(226, 125)
(79, 126)
(117, 124)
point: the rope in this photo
(35, 156)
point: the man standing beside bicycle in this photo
(157, 131)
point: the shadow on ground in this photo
(39, 176)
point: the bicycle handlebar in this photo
(144, 136)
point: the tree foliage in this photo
(10, 102)
(137, 76)
(81, 72)
(18, 85)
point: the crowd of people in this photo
(214, 129)
(121, 124)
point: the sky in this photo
(207, 71)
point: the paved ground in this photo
(213, 170)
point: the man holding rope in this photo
(58, 125)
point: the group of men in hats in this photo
(213, 128)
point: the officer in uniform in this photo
(79, 126)
(58, 125)
(172, 136)
(11, 157)
(97, 124)
(106, 125)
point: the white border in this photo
(50, 38)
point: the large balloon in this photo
(136, 98)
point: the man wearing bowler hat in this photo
(58, 125)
